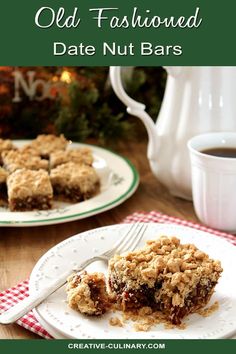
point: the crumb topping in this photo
(145, 318)
(81, 156)
(74, 175)
(27, 149)
(3, 175)
(209, 310)
(6, 144)
(23, 183)
(45, 144)
(87, 294)
(116, 322)
(15, 159)
(177, 267)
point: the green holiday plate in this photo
(119, 180)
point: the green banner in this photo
(117, 32)
(118, 346)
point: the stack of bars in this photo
(32, 176)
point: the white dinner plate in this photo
(69, 253)
(119, 180)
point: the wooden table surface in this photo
(20, 248)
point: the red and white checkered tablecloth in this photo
(11, 296)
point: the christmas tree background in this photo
(82, 104)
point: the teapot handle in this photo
(135, 109)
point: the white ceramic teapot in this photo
(196, 100)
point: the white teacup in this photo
(214, 180)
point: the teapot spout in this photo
(174, 71)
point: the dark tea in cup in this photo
(226, 152)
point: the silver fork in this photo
(128, 242)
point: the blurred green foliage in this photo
(86, 108)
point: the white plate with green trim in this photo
(119, 180)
